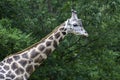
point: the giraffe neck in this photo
(22, 65)
(50, 43)
(39, 53)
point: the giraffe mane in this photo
(35, 44)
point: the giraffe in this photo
(21, 65)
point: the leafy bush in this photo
(97, 57)
(12, 39)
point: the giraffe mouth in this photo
(77, 33)
(86, 35)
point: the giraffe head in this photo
(74, 25)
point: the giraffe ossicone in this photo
(21, 65)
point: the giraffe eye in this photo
(75, 25)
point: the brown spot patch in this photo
(57, 35)
(55, 43)
(30, 61)
(23, 62)
(60, 39)
(61, 28)
(26, 76)
(16, 57)
(9, 60)
(2, 76)
(64, 33)
(1, 64)
(48, 43)
(47, 51)
(6, 67)
(41, 47)
(25, 55)
(14, 66)
(10, 74)
(51, 37)
(29, 69)
(19, 71)
(2, 71)
(39, 59)
(34, 53)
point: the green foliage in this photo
(94, 58)
(12, 39)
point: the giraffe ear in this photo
(67, 23)
(74, 14)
